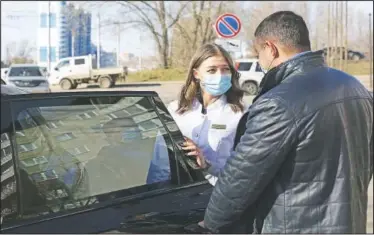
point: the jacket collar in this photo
(296, 65)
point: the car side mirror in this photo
(56, 69)
(6, 71)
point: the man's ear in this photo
(274, 49)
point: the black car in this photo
(78, 163)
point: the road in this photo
(169, 91)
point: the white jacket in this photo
(213, 133)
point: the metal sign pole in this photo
(371, 52)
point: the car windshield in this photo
(25, 72)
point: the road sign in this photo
(231, 45)
(228, 25)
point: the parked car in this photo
(4, 71)
(28, 77)
(335, 53)
(73, 173)
(72, 71)
(251, 75)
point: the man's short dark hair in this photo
(287, 28)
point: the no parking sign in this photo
(228, 25)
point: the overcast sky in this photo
(132, 41)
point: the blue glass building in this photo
(60, 41)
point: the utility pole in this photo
(49, 36)
(140, 52)
(336, 36)
(328, 54)
(118, 44)
(98, 41)
(346, 37)
(371, 51)
(341, 38)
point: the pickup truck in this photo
(72, 71)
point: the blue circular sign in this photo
(228, 26)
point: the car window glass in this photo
(74, 154)
(8, 180)
(78, 61)
(25, 72)
(63, 64)
(244, 66)
(258, 67)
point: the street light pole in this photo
(118, 44)
(49, 36)
(328, 48)
(140, 52)
(98, 41)
(346, 37)
(341, 39)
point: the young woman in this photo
(207, 113)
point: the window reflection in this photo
(74, 154)
(9, 198)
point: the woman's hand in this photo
(195, 151)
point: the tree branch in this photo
(179, 14)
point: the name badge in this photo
(218, 126)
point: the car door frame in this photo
(184, 192)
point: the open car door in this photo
(78, 163)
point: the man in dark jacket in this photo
(305, 159)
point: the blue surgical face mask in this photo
(217, 85)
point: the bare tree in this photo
(359, 39)
(195, 29)
(257, 11)
(158, 18)
(20, 53)
(252, 16)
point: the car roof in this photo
(13, 90)
(23, 65)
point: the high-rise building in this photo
(82, 39)
(55, 35)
